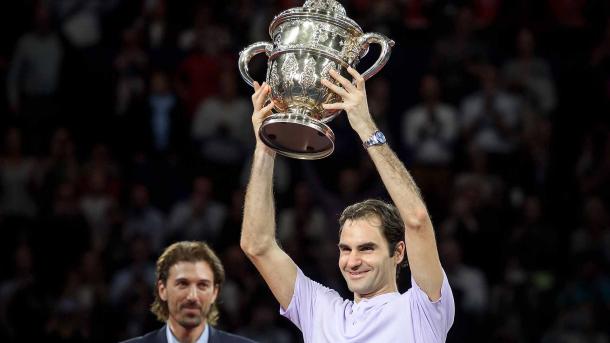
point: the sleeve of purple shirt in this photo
(306, 294)
(433, 318)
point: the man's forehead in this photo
(371, 218)
(191, 269)
(361, 231)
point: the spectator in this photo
(130, 66)
(593, 163)
(239, 288)
(593, 237)
(143, 219)
(219, 132)
(529, 76)
(199, 73)
(22, 275)
(17, 177)
(200, 217)
(380, 99)
(66, 219)
(262, 326)
(130, 286)
(302, 227)
(231, 227)
(22, 303)
(96, 204)
(430, 128)
(348, 186)
(531, 239)
(59, 166)
(584, 303)
(219, 125)
(457, 55)
(34, 76)
(304, 221)
(471, 287)
(490, 117)
(468, 280)
(158, 124)
(475, 212)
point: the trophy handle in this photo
(247, 54)
(386, 48)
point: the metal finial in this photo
(325, 5)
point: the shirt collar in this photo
(381, 299)
(204, 338)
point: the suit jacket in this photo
(138, 130)
(216, 336)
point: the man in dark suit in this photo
(189, 278)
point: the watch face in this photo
(376, 139)
(379, 137)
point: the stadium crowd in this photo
(126, 126)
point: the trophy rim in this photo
(302, 120)
(319, 15)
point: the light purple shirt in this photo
(323, 316)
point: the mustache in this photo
(190, 305)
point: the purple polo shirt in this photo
(323, 316)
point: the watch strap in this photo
(377, 138)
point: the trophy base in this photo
(297, 136)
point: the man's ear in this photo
(216, 291)
(399, 252)
(162, 290)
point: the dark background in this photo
(126, 127)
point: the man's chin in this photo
(356, 287)
(190, 322)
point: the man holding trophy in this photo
(375, 237)
(370, 252)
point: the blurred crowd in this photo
(125, 127)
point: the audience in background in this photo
(125, 130)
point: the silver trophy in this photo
(308, 42)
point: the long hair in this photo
(186, 252)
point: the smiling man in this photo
(189, 278)
(375, 238)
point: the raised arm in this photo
(258, 227)
(422, 252)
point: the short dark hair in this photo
(186, 252)
(392, 226)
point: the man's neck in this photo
(186, 335)
(390, 289)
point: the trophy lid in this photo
(330, 11)
(331, 6)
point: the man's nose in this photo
(192, 293)
(354, 260)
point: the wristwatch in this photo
(377, 138)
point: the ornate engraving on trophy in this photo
(325, 74)
(308, 77)
(320, 36)
(274, 80)
(289, 70)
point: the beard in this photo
(192, 319)
(190, 322)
